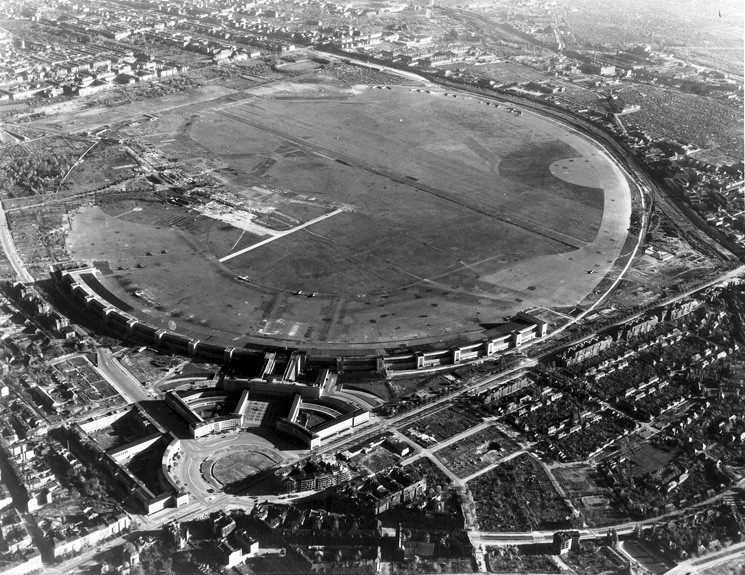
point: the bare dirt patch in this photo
(240, 463)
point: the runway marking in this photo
(279, 235)
(279, 300)
(335, 310)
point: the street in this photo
(119, 378)
(9, 248)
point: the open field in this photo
(734, 566)
(380, 458)
(453, 216)
(647, 557)
(442, 425)
(520, 560)
(594, 502)
(651, 459)
(517, 495)
(476, 451)
(240, 463)
(592, 557)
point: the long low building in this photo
(114, 461)
(314, 437)
(81, 285)
(338, 415)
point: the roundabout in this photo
(233, 464)
(210, 464)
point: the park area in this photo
(36, 167)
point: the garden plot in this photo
(476, 451)
(517, 495)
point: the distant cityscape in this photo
(587, 429)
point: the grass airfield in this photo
(455, 215)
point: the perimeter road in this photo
(9, 248)
(279, 235)
(119, 378)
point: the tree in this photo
(164, 566)
(129, 548)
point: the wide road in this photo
(119, 378)
(737, 272)
(9, 247)
(626, 528)
(734, 553)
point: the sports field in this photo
(239, 463)
(369, 217)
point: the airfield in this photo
(371, 217)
